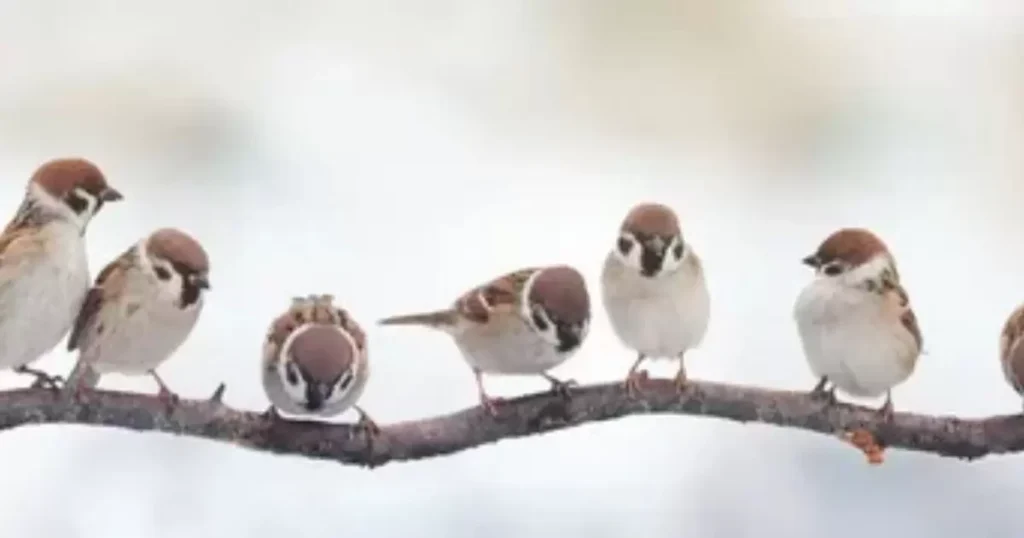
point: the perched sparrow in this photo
(524, 322)
(44, 273)
(141, 308)
(315, 361)
(1011, 350)
(654, 290)
(855, 321)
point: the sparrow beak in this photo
(811, 261)
(111, 195)
(201, 281)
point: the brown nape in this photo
(651, 219)
(176, 246)
(322, 352)
(561, 291)
(852, 245)
(60, 176)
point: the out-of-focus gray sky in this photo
(395, 153)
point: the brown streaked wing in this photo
(891, 285)
(501, 294)
(108, 284)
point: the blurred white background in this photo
(396, 152)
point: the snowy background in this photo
(396, 152)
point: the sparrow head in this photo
(650, 240)
(848, 252)
(317, 365)
(72, 187)
(557, 306)
(179, 263)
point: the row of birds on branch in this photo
(858, 330)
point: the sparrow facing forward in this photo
(141, 308)
(654, 290)
(44, 273)
(1011, 350)
(524, 322)
(315, 361)
(855, 321)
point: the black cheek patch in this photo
(291, 376)
(345, 384)
(77, 203)
(189, 294)
(625, 245)
(677, 251)
(539, 322)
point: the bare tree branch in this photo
(527, 415)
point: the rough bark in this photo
(528, 415)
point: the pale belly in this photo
(141, 342)
(660, 319)
(41, 307)
(510, 349)
(860, 352)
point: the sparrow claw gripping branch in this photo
(42, 379)
(562, 388)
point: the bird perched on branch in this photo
(524, 322)
(315, 361)
(141, 308)
(654, 290)
(44, 273)
(856, 325)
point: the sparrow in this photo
(654, 290)
(44, 272)
(1011, 352)
(315, 361)
(141, 308)
(524, 322)
(856, 325)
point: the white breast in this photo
(140, 331)
(848, 337)
(41, 300)
(661, 317)
(507, 345)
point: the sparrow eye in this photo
(162, 273)
(832, 269)
(291, 375)
(346, 380)
(625, 245)
(677, 250)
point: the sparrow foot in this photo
(366, 423)
(42, 379)
(634, 382)
(562, 388)
(165, 395)
(819, 392)
(272, 415)
(680, 381)
(489, 403)
(886, 412)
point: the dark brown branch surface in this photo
(528, 415)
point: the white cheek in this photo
(671, 263)
(339, 393)
(630, 259)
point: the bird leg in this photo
(272, 415)
(634, 378)
(165, 395)
(489, 403)
(562, 388)
(819, 391)
(680, 379)
(366, 423)
(886, 411)
(43, 379)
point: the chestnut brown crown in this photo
(850, 247)
(651, 219)
(562, 292)
(59, 177)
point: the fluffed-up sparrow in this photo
(654, 290)
(44, 272)
(856, 325)
(315, 361)
(1011, 350)
(524, 322)
(141, 308)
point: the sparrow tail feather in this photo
(439, 318)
